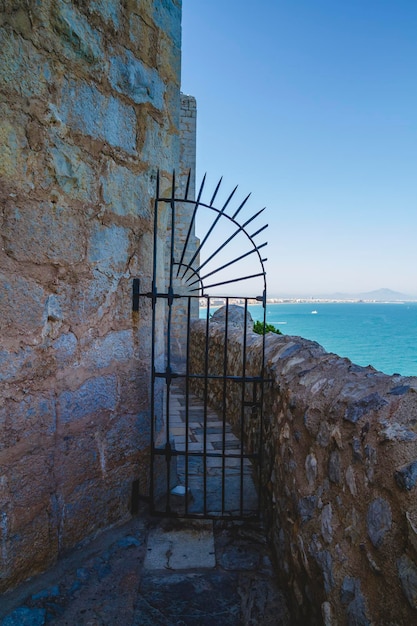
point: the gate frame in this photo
(169, 295)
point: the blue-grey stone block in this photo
(53, 311)
(289, 351)
(128, 435)
(65, 347)
(97, 394)
(167, 16)
(126, 192)
(116, 346)
(72, 173)
(109, 10)
(307, 507)
(351, 595)
(356, 410)
(407, 572)
(76, 33)
(348, 590)
(52, 234)
(136, 81)
(22, 303)
(399, 391)
(85, 109)
(406, 477)
(335, 474)
(12, 362)
(22, 68)
(379, 520)
(324, 560)
(36, 413)
(109, 248)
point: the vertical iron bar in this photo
(187, 401)
(261, 412)
(224, 405)
(206, 374)
(168, 347)
(242, 409)
(154, 293)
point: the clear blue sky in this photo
(311, 105)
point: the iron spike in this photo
(173, 185)
(259, 231)
(187, 239)
(229, 198)
(187, 186)
(216, 190)
(253, 217)
(241, 206)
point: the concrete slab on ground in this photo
(181, 548)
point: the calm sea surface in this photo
(382, 335)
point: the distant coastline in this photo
(381, 296)
(214, 301)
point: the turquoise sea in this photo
(383, 335)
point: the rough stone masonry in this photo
(339, 474)
(89, 110)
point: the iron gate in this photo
(206, 434)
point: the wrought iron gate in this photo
(206, 434)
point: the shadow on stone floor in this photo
(159, 572)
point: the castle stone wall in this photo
(89, 110)
(339, 475)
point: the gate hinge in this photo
(135, 294)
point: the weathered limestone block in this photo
(339, 475)
(109, 249)
(23, 69)
(73, 173)
(86, 110)
(132, 78)
(126, 193)
(95, 395)
(109, 10)
(77, 40)
(53, 234)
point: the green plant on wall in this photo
(261, 328)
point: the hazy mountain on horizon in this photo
(383, 295)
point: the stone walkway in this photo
(154, 571)
(210, 465)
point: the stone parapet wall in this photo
(89, 111)
(339, 476)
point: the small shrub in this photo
(261, 328)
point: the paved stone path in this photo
(153, 571)
(212, 451)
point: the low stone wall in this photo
(339, 476)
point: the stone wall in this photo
(89, 110)
(339, 477)
(183, 220)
